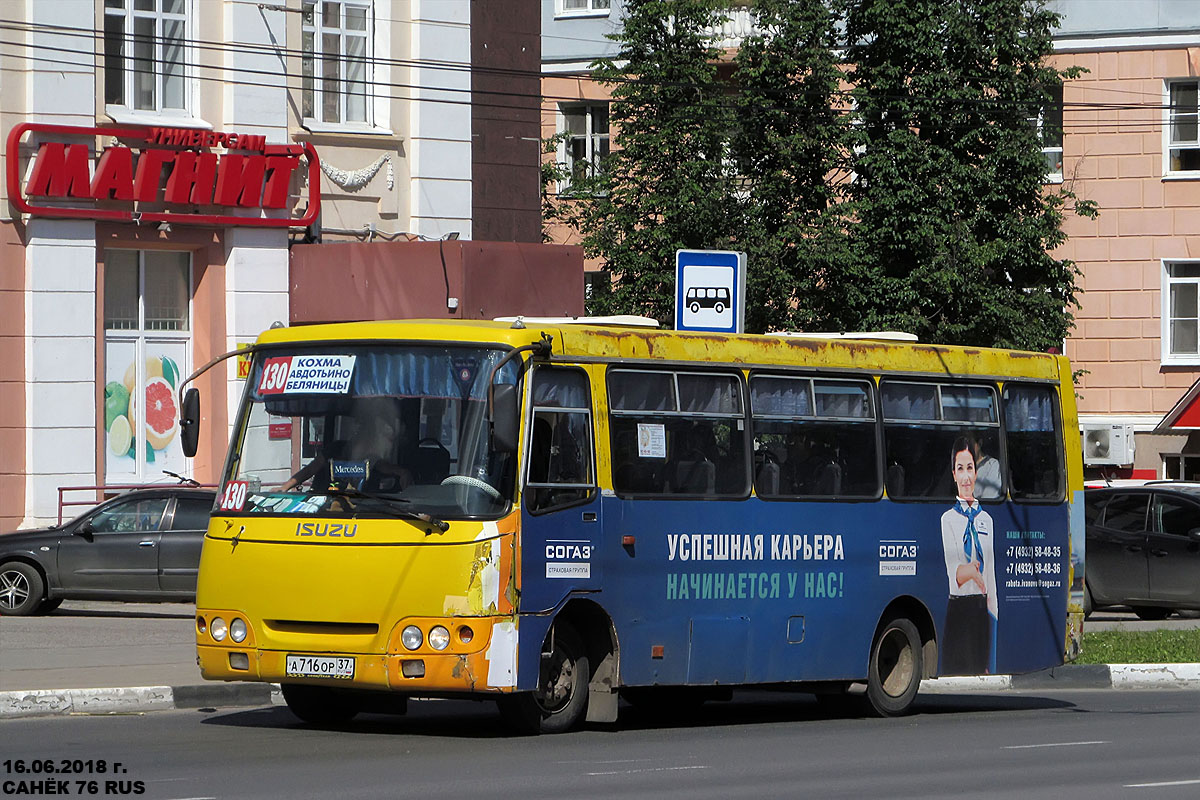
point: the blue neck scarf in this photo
(970, 535)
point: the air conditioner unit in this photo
(1107, 443)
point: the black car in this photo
(1143, 548)
(141, 546)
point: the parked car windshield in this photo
(373, 430)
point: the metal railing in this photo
(100, 493)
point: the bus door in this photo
(560, 527)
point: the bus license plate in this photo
(320, 667)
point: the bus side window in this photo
(923, 421)
(560, 469)
(1034, 440)
(813, 437)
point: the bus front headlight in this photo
(439, 637)
(238, 630)
(411, 637)
(218, 629)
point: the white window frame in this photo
(1168, 357)
(1185, 460)
(126, 111)
(1039, 126)
(589, 8)
(316, 120)
(1169, 141)
(592, 139)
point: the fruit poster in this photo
(141, 412)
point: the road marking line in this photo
(648, 769)
(1161, 783)
(1050, 744)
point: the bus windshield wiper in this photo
(395, 504)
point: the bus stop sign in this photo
(710, 291)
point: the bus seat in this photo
(895, 481)
(767, 480)
(694, 477)
(431, 462)
(829, 480)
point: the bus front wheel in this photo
(318, 705)
(894, 674)
(560, 700)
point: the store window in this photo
(1181, 312)
(1181, 467)
(147, 347)
(145, 55)
(586, 143)
(335, 67)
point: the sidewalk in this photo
(104, 658)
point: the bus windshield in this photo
(369, 430)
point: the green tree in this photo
(669, 185)
(953, 225)
(790, 146)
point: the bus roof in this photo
(580, 340)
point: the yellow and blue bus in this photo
(559, 514)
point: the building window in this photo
(581, 7)
(1049, 126)
(147, 347)
(144, 49)
(586, 143)
(1183, 143)
(1181, 312)
(1181, 467)
(337, 50)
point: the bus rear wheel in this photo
(318, 705)
(895, 669)
(560, 700)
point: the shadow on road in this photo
(464, 719)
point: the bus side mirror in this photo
(189, 421)
(504, 418)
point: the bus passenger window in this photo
(559, 471)
(813, 438)
(677, 433)
(922, 422)
(1034, 441)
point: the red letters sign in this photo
(174, 176)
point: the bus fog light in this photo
(439, 637)
(410, 637)
(239, 661)
(219, 629)
(465, 634)
(412, 669)
(237, 630)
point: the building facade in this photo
(163, 157)
(1128, 142)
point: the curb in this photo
(137, 700)
(1076, 676)
(134, 700)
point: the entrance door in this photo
(560, 525)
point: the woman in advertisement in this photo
(968, 535)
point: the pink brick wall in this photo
(1115, 157)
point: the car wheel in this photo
(695, 307)
(559, 702)
(719, 308)
(895, 669)
(21, 589)
(319, 705)
(1151, 612)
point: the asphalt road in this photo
(100, 645)
(1094, 744)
